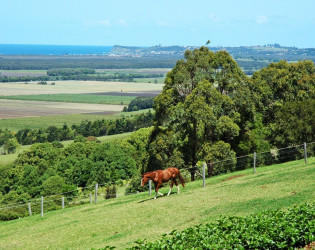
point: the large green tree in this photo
(283, 82)
(196, 102)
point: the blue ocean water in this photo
(32, 49)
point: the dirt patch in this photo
(18, 109)
(233, 177)
(310, 246)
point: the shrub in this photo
(268, 230)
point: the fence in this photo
(92, 193)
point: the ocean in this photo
(32, 49)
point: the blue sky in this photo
(152, 22)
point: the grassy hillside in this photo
(119, 222)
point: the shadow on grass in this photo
(158, 197)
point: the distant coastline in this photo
(33, 49)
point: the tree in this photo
(5, 135)
(216, 152)
(283, 82)
(53, 185)
(11, 145)
(294, 123)
(195, 102)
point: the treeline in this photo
(9, 139)
(105, 77)
(140, 103)
(92, 62)
(70, 71)
(23, 78)
(85, 74)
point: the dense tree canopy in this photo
(196, 102)
(208, 101)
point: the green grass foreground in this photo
(74, 98)
(120, 222)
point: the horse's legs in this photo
(170, 188)
(157, 186)
(176, 183)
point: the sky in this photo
(153, 22)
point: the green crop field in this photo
(120, 222)
(74, 98)
(59, 120)
(150, 80)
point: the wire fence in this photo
(91, 194)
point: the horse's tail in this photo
(182, 180)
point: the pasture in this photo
(40, 122)
(19, 108)
(119, 222)
(18, 73)
(69, 98)
(76, 87)
(75, 98)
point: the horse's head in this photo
(144, 180)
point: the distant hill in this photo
(270, 51)
(118, 50)
(250, 58)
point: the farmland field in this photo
(75, 98)
(18, 73)
(119, 222)
(65, 92)
(17, 108)
(77, 87)
(41, 122)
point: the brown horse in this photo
(160, 176)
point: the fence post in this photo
(42, 206)
(90, 198)
(150, 187)
(204, 174)
(96, 188)
(305, 153)
(63, 202)
(29, 209)
(255, 162)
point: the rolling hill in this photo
(120, 222)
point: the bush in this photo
(134, 187)
(8, 215)
(111, 192)
(268, 230)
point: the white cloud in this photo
(94, 23)
(162, 23)
(214, 18)
(261, 19)
(122, 22)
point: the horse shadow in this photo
(158, 197)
